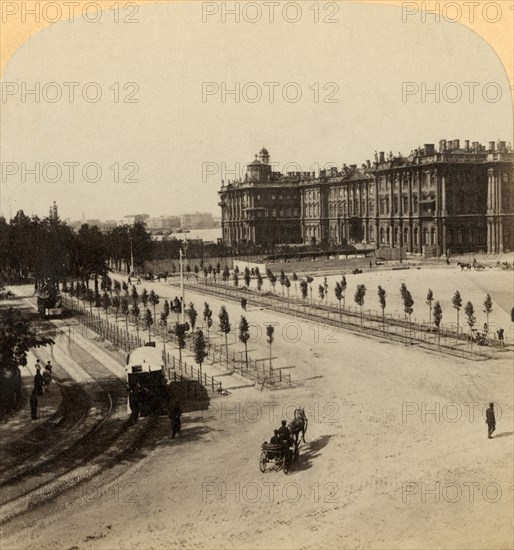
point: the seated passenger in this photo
(275, 440)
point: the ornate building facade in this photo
(456, 198)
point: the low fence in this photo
(392, 328)
(122, 339)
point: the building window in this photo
(274, 213)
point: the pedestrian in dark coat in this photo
(175, 414)
(38, 382)
(33, 405)
(490, 420)
(135, 404)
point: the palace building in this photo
(431, 201)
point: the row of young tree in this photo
(120, 301)
(305, 286)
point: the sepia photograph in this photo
(256, 275)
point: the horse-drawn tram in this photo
(49, 301)
(146, 381)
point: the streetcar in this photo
(146, 380)
(49, 301)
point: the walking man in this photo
(33, 405)
(175, 414)
(490, 420)
(38, 381)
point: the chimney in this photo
(456, 144)
(491, 146)
(442, 145)
(466, 144)
(476, 146)
(381, 157)
(368, 163)
(502, 146)
(429, 149)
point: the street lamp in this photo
(182, 255)
(131, 269)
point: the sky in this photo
(162, 136)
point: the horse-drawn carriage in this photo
(278, 454)
(283, 454)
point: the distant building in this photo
(131, 219)
(163, 224)
(197, 220)
(457, 198)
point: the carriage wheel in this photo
(285, 465)
(262, 461)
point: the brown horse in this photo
(298, 426)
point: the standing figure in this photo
(175, 414)
(501, 336)
(33, 405)
(47, 376)
(38, 381)
(135, 403)
(490, 420)
(243, 303)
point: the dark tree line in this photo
(49, 250)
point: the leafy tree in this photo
(457, 304)
(177, 307)
(272, 278)
(309, 280)
(196, 272)
(207, 317)
(321, 291)
(180, 333)
(192, 314)
(135, 296)
(339, 295)
(90, 299)
(136, 312)
(304, 289)
(382, 301)
(430, 299)
(287, 284)
(259, 281)
(282, 280)
(469, 310)
(153, 298)
(117, 287)
(438, 316)
(488, 307)
(106, 303)
(295, 281)
(359, 297)
(199, 346)
(408, 302)
(244, 335)
(124, 308)
(344, 284)
(224, 326)
(17, 337)
(270, 329)
(144, 297)
(149, 323)
(247, 277)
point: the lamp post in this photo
(131, 252)
(182, 256)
